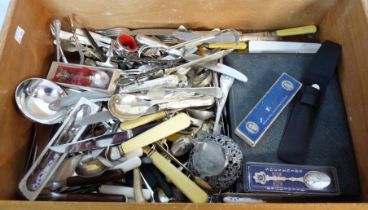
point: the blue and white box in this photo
(259, 119)
(290, 179)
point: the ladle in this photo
(34, 96)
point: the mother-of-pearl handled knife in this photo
(182, 182)
(171, 126)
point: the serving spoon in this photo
(128, 107)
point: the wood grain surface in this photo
(247, 14)
(36, 205)
(347, 24)
(19, 62)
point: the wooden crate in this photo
(343, 21)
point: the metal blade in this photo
(101, 142)
(96, 118)
(220, 68)
(85, 145)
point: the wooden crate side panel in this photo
(19, 61)
(15, 205)
(347, 24)
(247, 14)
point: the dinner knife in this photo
(101, 142)
(164, 129)
(178, 178)
(130, 124)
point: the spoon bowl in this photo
(88, 167)
(128, 106)
(316, 180)
(181, 146)
(201, 114)
(100, 79)
(33, 97)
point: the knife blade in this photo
(101, 142)
(214, 66)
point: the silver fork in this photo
(58, 47)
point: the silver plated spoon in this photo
(89, 167)
(225, 83)
(34, 96)
(314, 180)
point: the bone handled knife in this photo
(167, 128)
(137, 186)
(130, 124)
(182, 182)
(101, 142)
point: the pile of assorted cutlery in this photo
(137, 116)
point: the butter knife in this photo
(101, 142)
